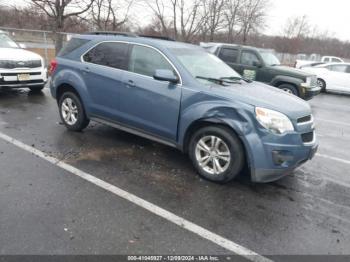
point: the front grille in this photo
(304, 119)
(8, 64)
(308, 137)
(21, 82)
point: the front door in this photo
(340, 78)
(148, 104)
(250, 65)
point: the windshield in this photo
(204, 65)
(7, 42)
(270, 59)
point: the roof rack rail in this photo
(158, 37)
(111, 33)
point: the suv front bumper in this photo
(10, 77)
(272, 157)
(310, 92)
(294, 158)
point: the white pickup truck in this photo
(300, 63)
(20, 68)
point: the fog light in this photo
(282, 158)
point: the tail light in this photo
(53, 67)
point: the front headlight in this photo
(273, 121)
(309, 81)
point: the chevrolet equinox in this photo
(180, 95)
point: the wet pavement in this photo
(45, 210)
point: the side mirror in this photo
(257, 64)
(166, 76)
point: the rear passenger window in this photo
(229, 55)
(109, 54)
(146, 61)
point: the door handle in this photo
(86, 69)
(130, 84)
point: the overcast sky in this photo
(327, 15)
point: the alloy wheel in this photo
(69, 111)
(213, 155)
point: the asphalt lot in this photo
(46, 210)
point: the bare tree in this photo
(191, 19)
(231, 17)
(159, 9)
(297, 27)
(213, 12)
(252, 16)
(109, 14)
(178, 18)
(61, 10)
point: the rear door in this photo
(148, 104)
(103, 74)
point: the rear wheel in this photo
(217, 154)
(290, 89)
(72, 112)
(321, 83)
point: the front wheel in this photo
(72, 112)
(217, 154)
(321, 83)
(290, 89)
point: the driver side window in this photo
(249, 58)
(145, 61)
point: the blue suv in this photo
(180, 95)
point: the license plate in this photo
(23, 77)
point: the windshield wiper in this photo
(222, 80)
(237, 79)
(232, 78)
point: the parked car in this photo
(333, 77)
(20, 68)
(300, 63)
(180, 95)
(263, 66)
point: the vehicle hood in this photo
(289, 71)
(18, 54)
(262, 95)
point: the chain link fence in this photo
(38, 41)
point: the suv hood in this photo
(289, 71)
(261, 95)
(18, 54)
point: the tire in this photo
(36, 89)
(321, 83)
(72, 112)
(229, 143)
(289, 89)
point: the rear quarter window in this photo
(229, 55)
(72, 45)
